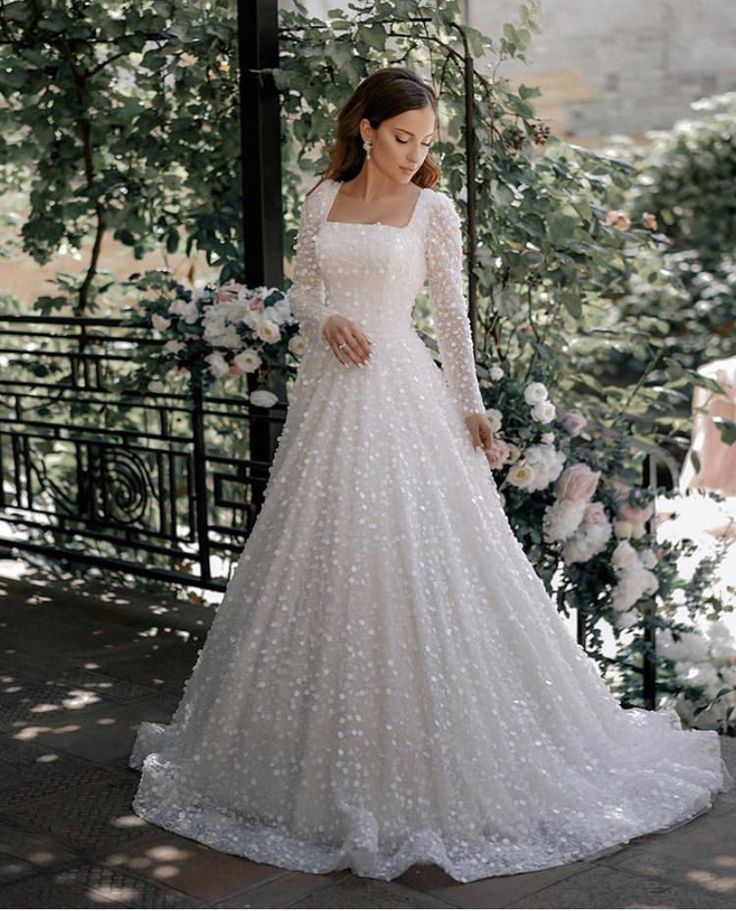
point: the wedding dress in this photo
(386, 680)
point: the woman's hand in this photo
(480, 431)
(356, 346)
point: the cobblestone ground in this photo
(81, 667)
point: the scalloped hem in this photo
(159, 802)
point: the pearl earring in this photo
(368, 146)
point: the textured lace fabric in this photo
(386, 681)
(395, 263)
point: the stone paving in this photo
(82, 666)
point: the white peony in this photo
(689, 645)
(625, 619)
(263, 398)
(547, 463)
(548, 438)
(189, 312)
(623, 555)
(544, 412)
(217, 364)
(496, 373)
(589, 539)
(227, 339)
(648, 558)
(535, 392)
(495, 417)
(156, 386)
(634, 582)
(514, 453)
(562, 518)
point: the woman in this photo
(387, 681)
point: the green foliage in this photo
(122, 119)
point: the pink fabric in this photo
(717, 459)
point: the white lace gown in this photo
(386, 680)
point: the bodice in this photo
(372, 273)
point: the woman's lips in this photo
(408, 170)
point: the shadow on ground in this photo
(82, 668)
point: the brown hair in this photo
(386, 93)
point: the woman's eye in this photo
(404, 142)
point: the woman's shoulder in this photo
(441, 204)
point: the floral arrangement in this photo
(701, 669)
(588, 522)
(579, 526)
(214, 332)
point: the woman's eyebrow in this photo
(410, 133)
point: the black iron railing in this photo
(131, 482)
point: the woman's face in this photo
(401, 144)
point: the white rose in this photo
(174, 345)
(496, 373)
(534, 393)
(263, 398)
(156, 386)
(160, 322)
(248, 361)
(495, 417)
(217, 364)
(514, 453)
(268, 331)
(548, 438)
(544, 412)
(297, 345)
(521, 475)
(623, 555)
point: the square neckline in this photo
(369, 224)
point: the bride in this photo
(387, 681)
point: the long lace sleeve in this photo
(444, 254)
(307, 293)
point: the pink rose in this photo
(635, 514)
(594, 513)
(498, 454)
(225, 294)
(256, 303)
(649, 220)
(573, 422)
(578, 482)
(617, 220)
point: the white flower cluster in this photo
(562, 519)
(635, 579)
(704, 659)
(542, 409)
(589, 539)
(541, 465)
